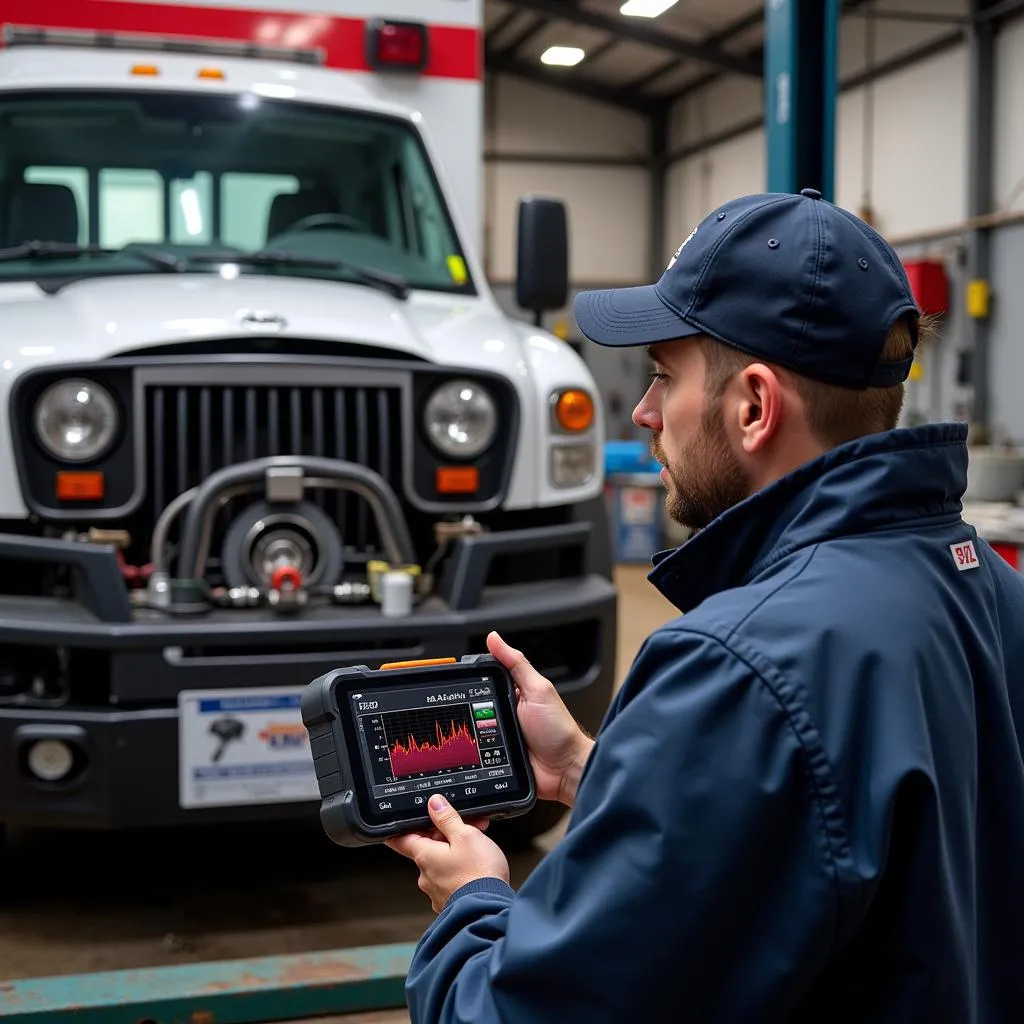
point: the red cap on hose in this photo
(286, 574)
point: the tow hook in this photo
(286, 594)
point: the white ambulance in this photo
(260, 414)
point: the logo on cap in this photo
(675, 255)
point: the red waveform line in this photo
(455, 748)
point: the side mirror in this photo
(542, 255)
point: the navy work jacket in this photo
(806, 803)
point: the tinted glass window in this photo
(193, 172)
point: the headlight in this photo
(461, 419)
(76, 420)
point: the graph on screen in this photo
(425, 740)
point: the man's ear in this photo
(759, 406)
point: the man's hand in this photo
(559, 748)
(460, 855)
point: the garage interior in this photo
(641, 117)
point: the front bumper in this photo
(126, 667)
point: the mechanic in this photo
(806, 802)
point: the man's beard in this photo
(706, 477)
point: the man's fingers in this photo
(524, 675)
(448, 820)
(410, 845)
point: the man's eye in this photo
(655, 375)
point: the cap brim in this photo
(629, 316)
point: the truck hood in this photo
(97, 318)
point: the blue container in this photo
(636, 508)
(629, 457)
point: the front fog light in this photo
(50, 760)
(572, 465)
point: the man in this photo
(806, 802)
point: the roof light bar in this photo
(28, 36)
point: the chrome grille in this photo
(193, 430)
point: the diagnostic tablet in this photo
(383, 740)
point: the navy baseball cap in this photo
(790, 279)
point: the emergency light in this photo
(396, 45)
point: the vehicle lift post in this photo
(801, 41)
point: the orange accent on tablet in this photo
(419, 664)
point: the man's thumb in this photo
(448, 820)
(525, 676)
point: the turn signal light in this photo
(145, 69)
(399, 45)
(214, 74)
(457, 479)
(80, 486)
(574, 410)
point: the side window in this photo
(131, 206)
(246, 201)
(427, 228)
(74, 178)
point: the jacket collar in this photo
(874, 482)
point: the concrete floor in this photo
(190, 896)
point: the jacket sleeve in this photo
(695, 872)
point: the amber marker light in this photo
(457, 479)
(80, 486)
(574, 410)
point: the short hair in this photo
(835, 414)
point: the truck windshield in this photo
(193, 175)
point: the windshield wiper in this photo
(391, 283)
(56, 250)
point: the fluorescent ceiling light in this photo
(563, 56)
(646, 8)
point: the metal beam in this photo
(659, 191)
(923, 17)
(897, 63)
(510, 16)
(638, 84)
(757, 55)
(981, 51)
(523, 37)
(734, 28)
(904, 60)
(624, 29)
(1001, 11)
(750, 124)
(565, 79)
(723, 35)
(566, 159)
(602, 48)
(228, 992)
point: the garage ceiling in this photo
(640, 63)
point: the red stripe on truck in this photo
(454, 50)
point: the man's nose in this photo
(647, 415)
